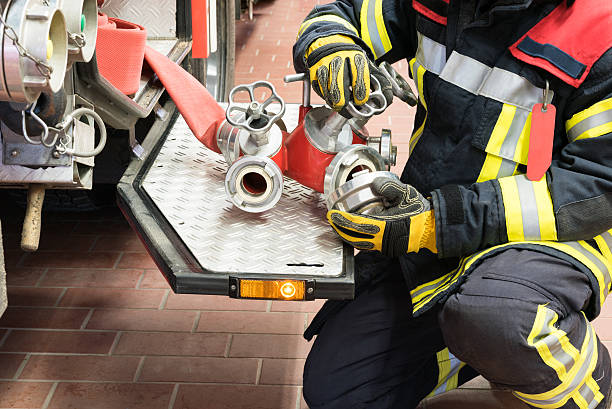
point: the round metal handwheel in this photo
(256, 118)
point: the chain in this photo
(44, 68)
(77, 39)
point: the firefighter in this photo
(493, 255)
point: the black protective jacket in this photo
(480, 67)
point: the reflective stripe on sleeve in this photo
(373, 30)
(572, 382)
(430, 54)
(329, 18)
(528, 209)
(591, 123)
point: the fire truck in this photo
(226, 186)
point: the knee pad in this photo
(490, 334)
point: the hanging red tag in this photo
(540, 141)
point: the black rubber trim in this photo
(553, 55)
(176, 262)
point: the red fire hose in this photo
(120, 51)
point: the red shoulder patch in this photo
(569, 40)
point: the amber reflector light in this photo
(273, 290)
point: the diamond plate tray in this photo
(157, 16)
(186, 183)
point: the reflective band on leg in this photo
(448, 372)
(572, 381)
(551, 343)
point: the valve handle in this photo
(256, 119)
(400, 86)
(375, 105)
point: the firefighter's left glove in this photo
(339, 71)
(405, 225)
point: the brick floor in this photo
(92, 322)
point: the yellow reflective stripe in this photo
(501, 129)
(365, 32)
(546, 214)
(605, 249)
(423, 294)
(431, 287)
(522, 147)
(444, 368)
(592, 384)
(528, 209)
(328, 18)
(414, 139)
(496, 167)
(373, 31)
(382, 29)
(578, 255)
(541, 338)
(595, 132)
(448, 372)
(418, 73)
(595, 109)
(512, 205)
(602, 276)
(510, 136)
(570, 386)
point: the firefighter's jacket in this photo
(480, 67)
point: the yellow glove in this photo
(406, 225)
(339, 70)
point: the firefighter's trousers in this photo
(516, 320)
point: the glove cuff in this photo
(423, 232)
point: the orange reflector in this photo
(273, 290)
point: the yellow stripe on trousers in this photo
(572, 383)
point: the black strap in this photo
(553, 55)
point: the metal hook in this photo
(24, 130)
(546, 92)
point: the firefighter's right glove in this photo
(405, 225)
(339, 71)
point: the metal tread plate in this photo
(186, 184)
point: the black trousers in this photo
(516, 320)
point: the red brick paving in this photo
(92, 323)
